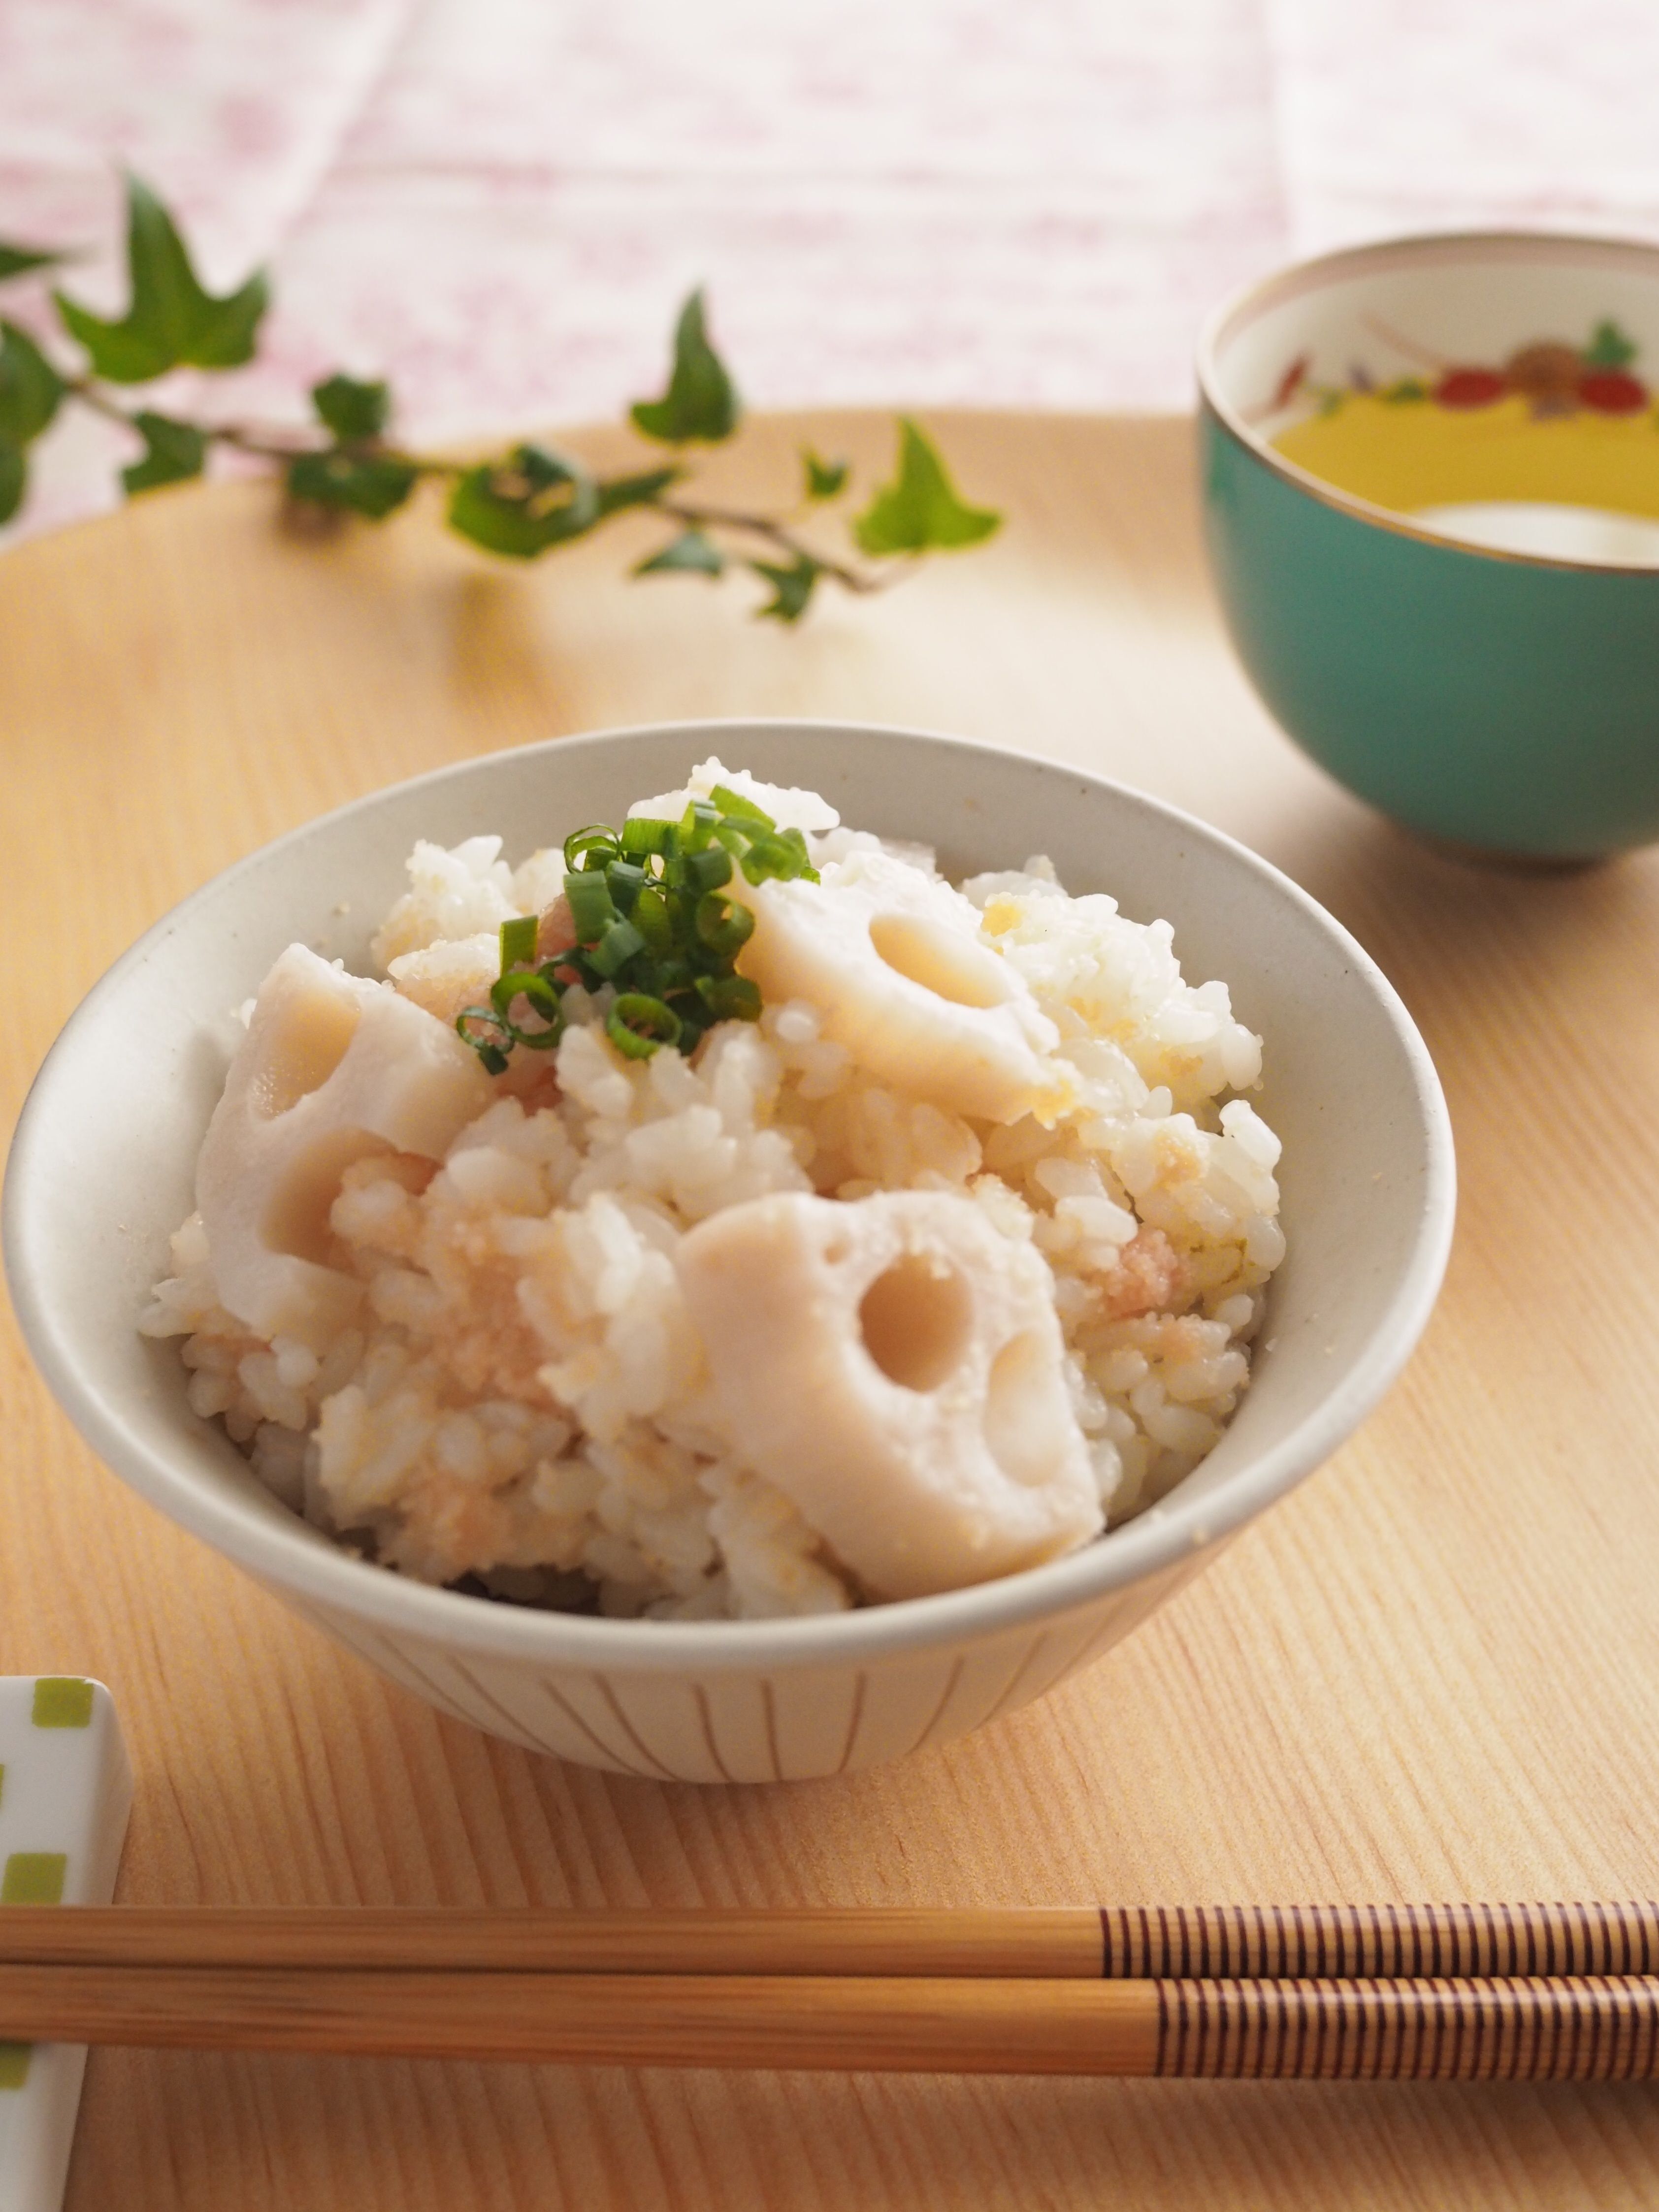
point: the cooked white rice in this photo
(523, 1404)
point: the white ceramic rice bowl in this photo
(1367, 1179)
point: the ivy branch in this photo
(520, 505)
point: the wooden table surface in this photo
(1432, 1673)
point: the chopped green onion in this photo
(783, 855)
(642, 834)
(637, 1024)
(733, 802)
(519, 942)
(590, 848)
(492, 1054)
(650, 917)
(591, 909)
(730, 997)
(616, 948)
(701, 871)
(537, 987)
(722, 925)
(697, 825)
(673, 977)
(625, 880)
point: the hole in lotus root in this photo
(303, 1048)
(941, 960)
(917, 1319)
(296, 1217)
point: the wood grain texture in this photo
(1433, 1672)
(1604, 2029)
(1022, 1943)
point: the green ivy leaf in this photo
(823, 478)
(690, 553)
(30, 387)
(1610, 347)
(14, 473)
(791, 587)
(919, 510)
(371, 484)
(701, 401)
(18, 260)
(352, 410)
(520, 506)
(171, 318)
(173, 452)
(619, 492)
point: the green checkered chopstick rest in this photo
(65, 1788)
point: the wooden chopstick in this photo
(1556, 2029)
(1029, 1944)
(1277, 1943)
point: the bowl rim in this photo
(1317, 271)
(298, 1561)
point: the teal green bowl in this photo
(1431, 474)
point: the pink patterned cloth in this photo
(500, 203)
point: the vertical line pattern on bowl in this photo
(496, 1706)
(1015, 1679)
(1064, 1665)
(945, 1695)
(396, 1661)
(860, 1689)
(1102, 1635)
(708, 1719)
(769, 1711)
(607, 1752)
(602, 1684)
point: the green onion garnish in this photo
(781, 854)
(518, 942)
(493, 1046)
(730, 997)
(642, 836)
(638, 1024)
(616, 949)
(537, 987)
(624, 880)
(697, 825)
(701, 871)
(722, 925)
(651, 919)
(591, 911)
(733, 802)
(590, 848)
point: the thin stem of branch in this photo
(775, 533)
(87, 392)
(92, 394)
(283, 450)
(258, 445)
